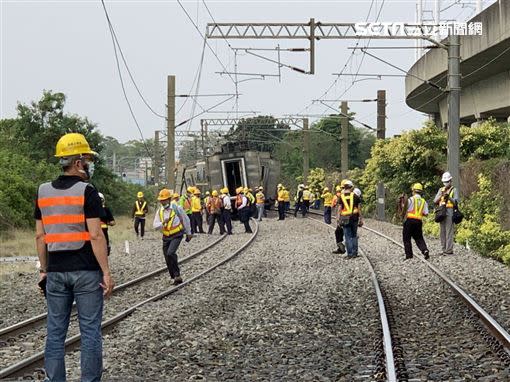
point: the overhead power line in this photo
(122, 80)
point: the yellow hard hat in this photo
(246, 190)
(164, 194)
(214, 193)
(224, 190)
(175, 195)
(342, 183)
(190, 189)
(326, 189)
(196, 192)
(417, 187)
(72, 144)
(139, 194)
(239, 190)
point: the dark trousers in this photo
(227, 219)
(281, 210)
(196, 222)
(339, 234)
(140, 222)
(413, 228)
(170, 246)
(287, 206)
(213, 218)
(327, 215)
(297, 207)
(305, 207)
(244, 217)
(105, 232)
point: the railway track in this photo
(481, 325)
(115, 313)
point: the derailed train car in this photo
(235, 165)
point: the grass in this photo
(21, 242)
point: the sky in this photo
(66, 46)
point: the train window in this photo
(233, 175)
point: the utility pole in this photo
(344, 146)
(306, 150)
(202, 135)
(156, 157)
(381, 134)
(170, 125)
(454, 109)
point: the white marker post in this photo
(126, 246)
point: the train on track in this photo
(233, 165)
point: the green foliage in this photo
(316, 180)
(485, 141)
(27, 148)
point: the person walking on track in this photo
(226, 209)
(416, 209)
(242, 205)
(140, 209)
(214, 208)
(339, 230)
(298, 200)
(106, 220)
(74, 258)
(173, 223)
(260, 199)
(196, 213)
(349, 216)
(328, 200)
(281, 202)
(307, 195)
(448, 197)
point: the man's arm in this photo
(100, 250)
(157, 224)
(41, 246)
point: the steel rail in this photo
(26, 363)
(391, 374)
(490, 323)
(30, 322)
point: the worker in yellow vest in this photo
(328, 203)
(140, 209)
(173, 223)
(106, 220)
(281, 202)
(349, 216)
(185, 201)
(260, 199)
(196, 213)
(416, 209)
(339, 231)
(448, 197)
(206, 200)
(286, 199)
(307, 196)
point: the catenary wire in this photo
(122, 80)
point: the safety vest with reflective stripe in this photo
(140, 210)
(259, 196)
(328, 199)
(170, 228)
(307, 195)
(348, 208)
(418, 206)
(281, 196)
(185, 203)
(63, 216)
(449, 204)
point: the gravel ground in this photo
(285, 309)
(439, 342)
(21, 298)
(486, 280)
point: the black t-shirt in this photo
(81, 259)
(356, 201)
(108, 216)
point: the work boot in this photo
(178, 280)
(337, 251)
(426, 255)
(341, 247)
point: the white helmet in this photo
(446, 177)
(349, 184)
(301, 186)
(357, 191)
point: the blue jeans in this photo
(62, 288)
(351, 238)
(260, 211)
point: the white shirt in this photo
(226, 202)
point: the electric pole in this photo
(170, 125)
(381, 134)
(454, 109)
(156, 157)
(306, 150)
(344, 146)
